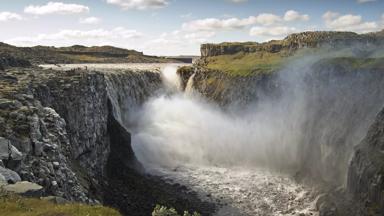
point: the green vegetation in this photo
(77, 54)
(250, 58)
(164, 211)
(244, 64)
(13, 205)
(358, 63)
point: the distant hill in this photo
(77, 54)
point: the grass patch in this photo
(244, 64)
(359, 63)
(13, 205)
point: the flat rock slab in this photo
(25, 189)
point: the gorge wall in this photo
(67, 128)
(328, 103)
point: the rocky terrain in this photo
(77, 54)
(293, 43)
(63, 130)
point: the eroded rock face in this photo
(71, 128)
(8, 61)
(366, 172)
(8, 151)
(293, 42)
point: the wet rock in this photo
(25, 189)
(10, 176)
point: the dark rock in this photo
(10, 176)
(8, 151)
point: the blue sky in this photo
(178, 27)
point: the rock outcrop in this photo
(366, 172)
(67, 131)
(9, 61)
(293, 42)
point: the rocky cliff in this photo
(64, 130)
(341, 97)
(292, 43)
(365, 177)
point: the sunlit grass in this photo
(13, 205)
(243, 64)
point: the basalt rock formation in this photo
(293, 42)
(64, 131)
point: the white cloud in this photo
(271, 31)
(56, 8)
(69, 37)
(139, 4)
(7, 16)
(90, 20)
(211, 24)
(177, 42)
(364, 1)
(266, 19)
(292, 15)
(348, 22)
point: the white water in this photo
(220, 155)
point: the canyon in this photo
(301, 135)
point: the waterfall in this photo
(189, 86)
(308, 126)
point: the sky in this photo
(178, 27)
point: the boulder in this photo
(8, 151)
(25, 189)
(9, 175)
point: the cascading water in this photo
(242, 157)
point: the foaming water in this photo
(183, 129)
(170, 78)
(306, 126)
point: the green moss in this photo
(13, 205)
(353, 63)
(244, 64)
